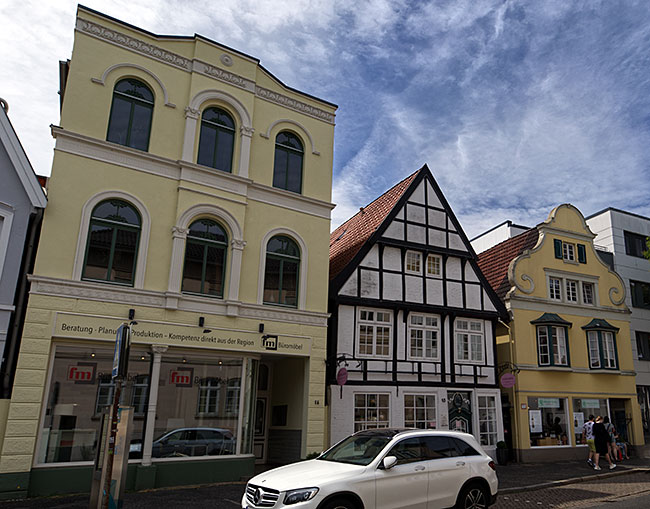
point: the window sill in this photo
(276, 304)
(106, 282)
(207, 295)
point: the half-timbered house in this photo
(411, 339)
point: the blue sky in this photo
(515, 106)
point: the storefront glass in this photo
(80, 391)
(582, 409)
(547, 421)
(198, 406)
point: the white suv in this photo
(383, 469)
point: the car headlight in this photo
(302, 495)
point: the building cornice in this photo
(154, 52)
(521, 302)
(65, 288)
(185, 171)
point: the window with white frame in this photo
(209, 389)
(139, 394)
(568, 251)
(469, 340)
(105, 391)
(571, 290)
(602, 349)
(554, 288)
(423, 333)
(588, 293)
(420, 411)
(371, 411)
(413, 262)
(374, 332)
(232, 396)
(434, 265)
(552, 345)
(487, 420)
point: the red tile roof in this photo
(347, 239)
(495, 261)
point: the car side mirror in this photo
(389, 462)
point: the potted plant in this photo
(502, 453)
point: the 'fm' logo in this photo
(82, 373)
(181, 377)
(270, 342)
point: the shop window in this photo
(374, 333)
(582, 409)
(281, 272)
(205, 258)
(547, 421)
(217, 139)
(469, 340)
(287, 166)
(131, 112)
(423, 332)
(487, 420)
(552, 347)
(80, 391)
(193, 418)
(113, 238)
(371, 411)
(420, 411)
(602, 349)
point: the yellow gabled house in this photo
(568, 340)
(190, 193)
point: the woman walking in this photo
(601, 437)
(613, 448)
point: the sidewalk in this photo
(513, 478)
(516, 477)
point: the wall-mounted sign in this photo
(342, 376)
(82, 372)
(181, 377)
(508, 380)
(590, 403)
(548, 402)
(535, 417)
(69, 325)
(578, 421)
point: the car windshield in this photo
(357, 449)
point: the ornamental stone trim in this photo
(294, 104)
(192, 113)
(222, 75)
(133, 44)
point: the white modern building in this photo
(624, 234)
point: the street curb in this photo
(573, 480)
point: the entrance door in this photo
(460, 411)
(261, 435)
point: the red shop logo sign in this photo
(82, 372)
(181, 377)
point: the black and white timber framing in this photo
(422, 223)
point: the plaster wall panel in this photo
(392, 258)
(413, 289)
(350, 286)
(415, 213)
(346, 330)
(437, 238)
(372, 258)
(454, 294)
(473, 296)
(395, 230)
(418, 194)
(434, 201)
(369, 282)
(437, 218)
(392, 286)
(470, 275)
(416, 234)
(455, 242)
(434, 292)
(487, 303)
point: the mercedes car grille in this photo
(261, 497)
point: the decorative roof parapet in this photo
(294, 104)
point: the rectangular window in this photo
(209, 391)
(635, 244)
(413, 262)
(609, 350)
(371, 411)
(487, 420)
(552, 345)
(640, 294)
(548, 421)
(420, 411)
(434, 265)
(554, 288)
(643, 345)
(588, 293)
(602, 349)
(594, 349)
(469, 340)
(571, 290)
(423, 334)
(375, 329)
(568, 251)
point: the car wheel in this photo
(339, 503)
(473, 496)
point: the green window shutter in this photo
(582, 253)
(558, 248)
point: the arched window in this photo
(287, 167)
(113, 238)
(217, 139)
(205, 258)
(130, 120)
(281, 272)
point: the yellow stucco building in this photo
(568, 342)
(190, 194)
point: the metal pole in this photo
(111, 443)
